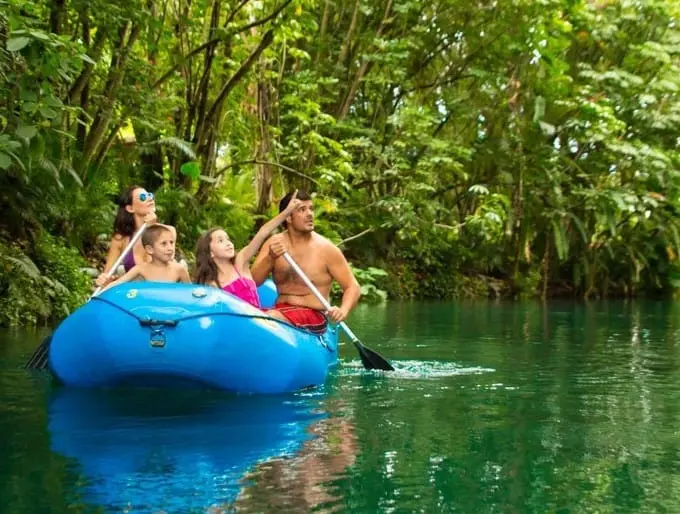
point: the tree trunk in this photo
(94, 53)
(201, 98)
(57, 16)
(151, 161)
(546, 270)
(322, 31)
(102, 118)
(263, 172)
(205, 140)
(344, 50)
(364, 67)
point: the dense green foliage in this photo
(524, 147)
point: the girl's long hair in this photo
(124, 224)
(206, 269)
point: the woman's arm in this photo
(115, 249)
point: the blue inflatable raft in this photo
(147, 334)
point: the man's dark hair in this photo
(283, 203)
(301, 195)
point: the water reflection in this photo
(306, 481)
(181, 452)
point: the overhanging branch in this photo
(278, 165)
(356, 236)
(236, 77)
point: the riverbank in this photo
(43, 282)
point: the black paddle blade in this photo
(39, 358)
(371, 359)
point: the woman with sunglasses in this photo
(136, 206)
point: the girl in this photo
(218, 264)
(136, 206)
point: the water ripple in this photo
(416, 369)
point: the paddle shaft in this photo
(122, 256)
(318, 294)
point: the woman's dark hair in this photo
(283, 203)
(206, 269)
(124, 224)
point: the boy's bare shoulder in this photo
(179, 270)
(176, 266)
(143, 269)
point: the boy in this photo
(159, 244)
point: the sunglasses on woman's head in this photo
(144, 196)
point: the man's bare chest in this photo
(312, 263)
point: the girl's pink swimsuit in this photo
(245, 288)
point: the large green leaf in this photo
(5, 161)
(191, 169)
(17, 43)
(27, 131)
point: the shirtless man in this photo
(321, 261)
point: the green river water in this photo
(494, 407)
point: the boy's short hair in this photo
(152, 233)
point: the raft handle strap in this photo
(149, 322)
(173, 323)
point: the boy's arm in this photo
(135, 272)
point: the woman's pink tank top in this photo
(244, 288)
